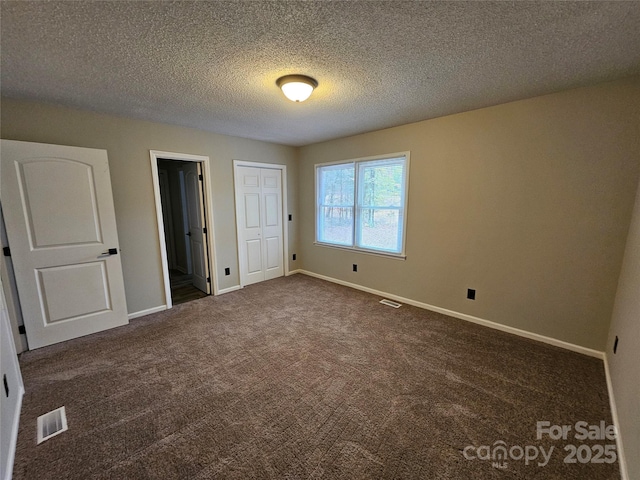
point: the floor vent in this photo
(51, 424)
(390, 303)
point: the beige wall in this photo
(527, 202)
(128, 143)
(624, 366)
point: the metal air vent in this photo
(390, 303)
(51, 424)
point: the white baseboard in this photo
(229, 290)
(463, 316)
(293, 272)
(624, 473)
(148, 311)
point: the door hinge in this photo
(200, 177)
(6, 251)
(208, 279)
(204, 230)
(22, 330)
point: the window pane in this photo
(380, 229)
(381, 183)
(335, 225)
(336, 194)
(337, 185)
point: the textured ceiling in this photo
(213, 65)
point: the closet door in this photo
(271, 203)
(259, 220)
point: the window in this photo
(361, 204)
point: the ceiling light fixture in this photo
(296, 88)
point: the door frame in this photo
(155, 155)
(285, 208)
(12, 403)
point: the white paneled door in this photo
(197, 231)
(61, 225)
(259, 219)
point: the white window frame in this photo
(356, 207)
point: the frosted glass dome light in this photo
(297, 88)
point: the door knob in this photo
(188, 234)
(111, 251)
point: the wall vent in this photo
(390, 303)
(51, 424)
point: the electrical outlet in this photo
(615, 345)
(294, 256)
(471, 293)
(355, 267)
(227, 271)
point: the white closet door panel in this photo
(252, 210)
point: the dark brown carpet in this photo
(297, 378)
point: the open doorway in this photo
(183, 220)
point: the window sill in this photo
(395, 256)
